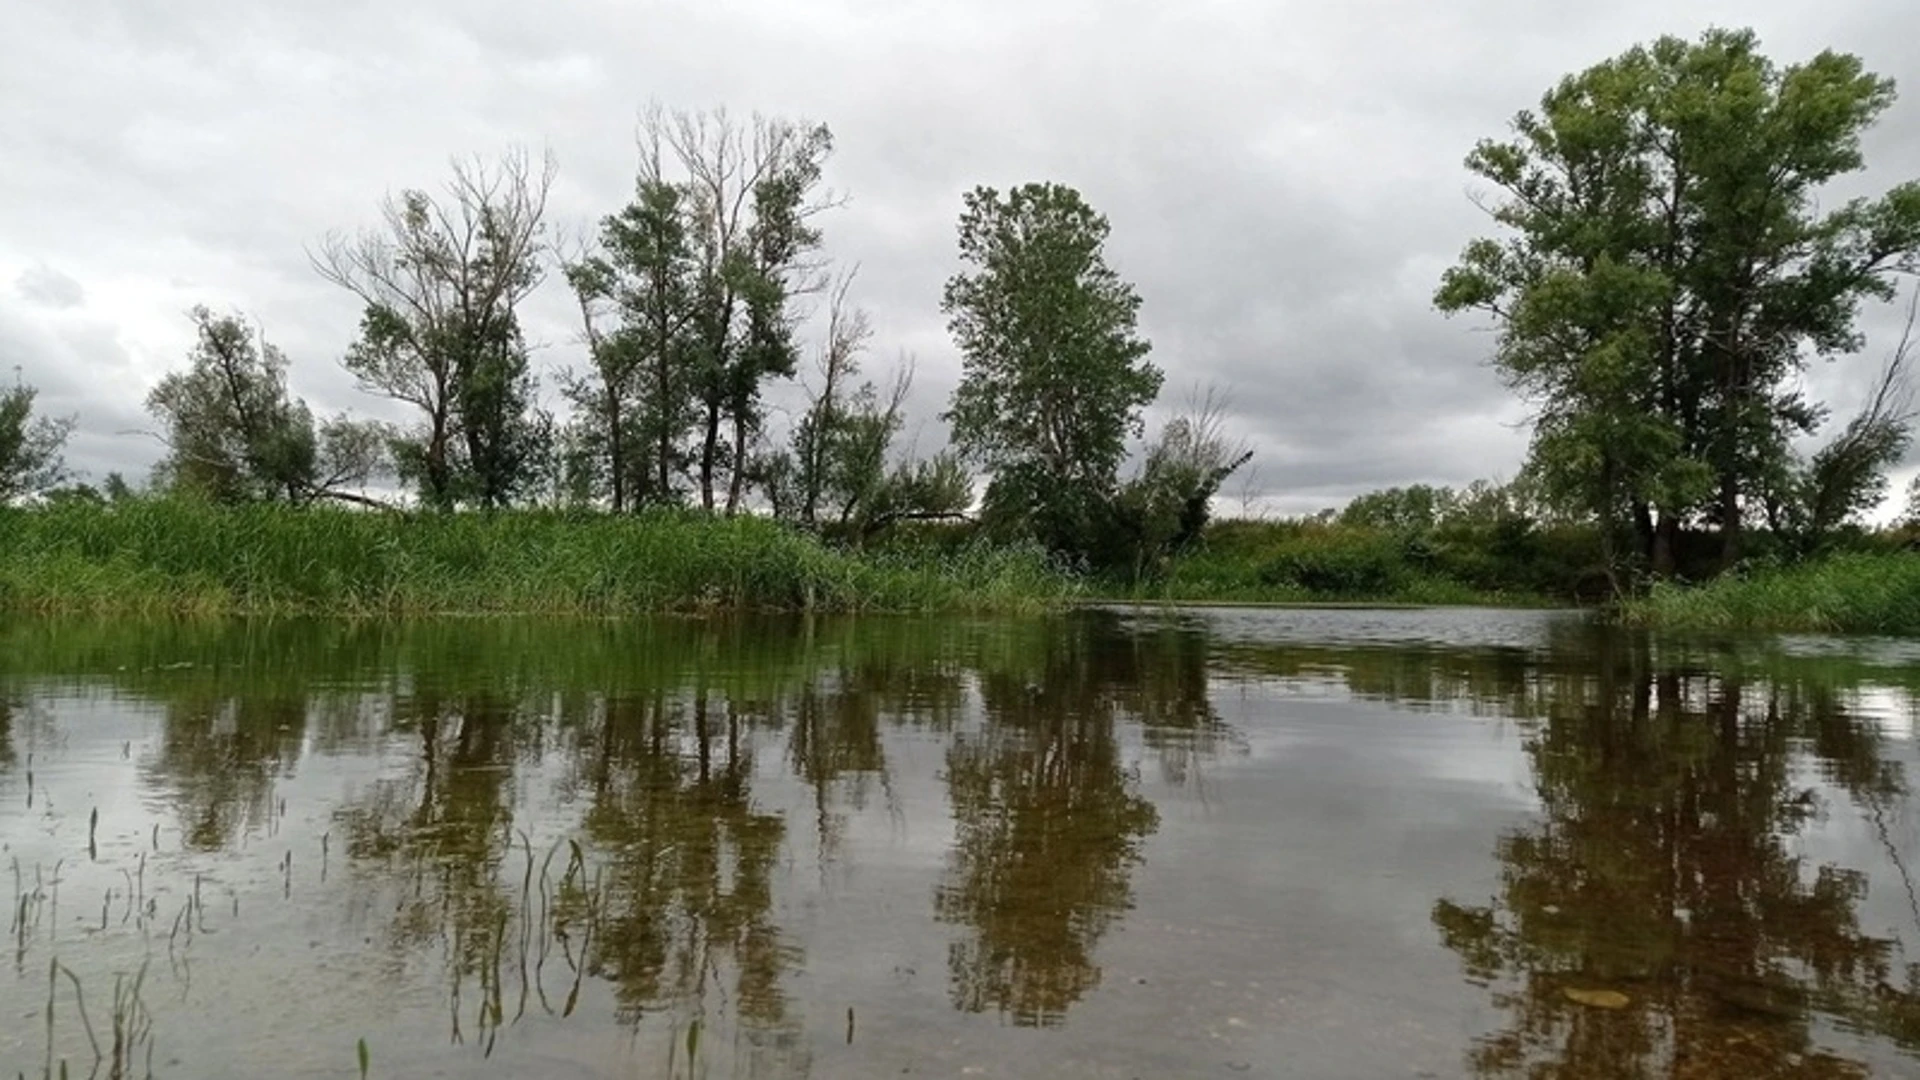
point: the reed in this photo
(1856, 594)
(164, 556)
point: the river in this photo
(1114, 843)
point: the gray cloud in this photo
(44, 285)
(1283, 179)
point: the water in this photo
(1114, 844)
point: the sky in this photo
(1284, 180)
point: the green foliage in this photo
(1670, 267)
(1161, 513)
(163, 555)
(1847, 593)
(29, 446)
(1054, 375)
(1339, 564)
(440, 330)
(635, 404)
(234, 434)
(689, 307)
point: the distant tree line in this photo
(1664, 274)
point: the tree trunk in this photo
(709, 450)
(1645, 534)
(616, 452)
(1665, 556)
(736, 483)
(1730, 522)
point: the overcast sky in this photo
(1283, 179)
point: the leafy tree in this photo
(636, 295)
(690, 302)
(234, 434)
(1847, 478)
(834, 474)
(1412, 509)
(1670, 269)
(1055, 375)
(441, 330)
(751, 195)
(1164, 510)
(30, 445)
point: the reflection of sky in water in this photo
(1318, 781)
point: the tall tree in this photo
(1055, 376)
(442, 284)
(752, 192)
(1670, 270)
(691, 299)
(30, 446)
(234, 434)
(636, 295)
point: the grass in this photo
(1855, 594)
(1297, 562)
(175, 557)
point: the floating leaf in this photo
(363, 1059)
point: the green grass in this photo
(1859, 594)
(1294, 562)
(165, 556)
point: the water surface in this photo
(1113, 844)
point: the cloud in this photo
(44, 285)
(1284, 180)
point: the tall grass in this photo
(1862, 594)
(179, 557)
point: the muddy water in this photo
(1316, 844)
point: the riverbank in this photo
(160, 556)
(1851, 594)
(173, 557)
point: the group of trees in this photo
(1668, 272)
(1666, 275)
(692, 300)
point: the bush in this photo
(1339, 563)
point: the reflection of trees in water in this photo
(1663, 869)
(1049, 829)
(650, 739)
(8, 709)
(444, 830)
(219, 759)
(689, 861)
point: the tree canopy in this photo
(1054, 373)
(1669, 267)
(30, 445)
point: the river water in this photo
(1108, 844)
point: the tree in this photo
(1670, 270)
(1847, 478)
(1054, 374)
(1164, 510)
(234, 434)
(441, 331)
(690, 301)
(636, 295)
(751, 196)
(30, 445)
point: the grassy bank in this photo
(1314, 562)
(178, 557)
(1857, 593)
